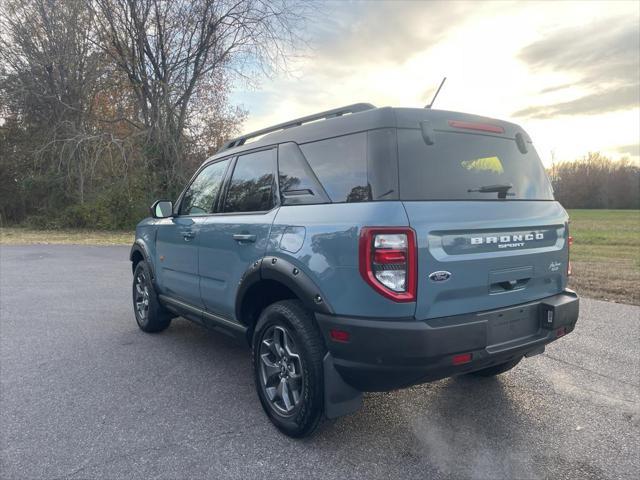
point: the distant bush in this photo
(115, 208)
(596, 181)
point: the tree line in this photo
(596, 181)
(107, 104)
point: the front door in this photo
(237, 235)
(179, 236)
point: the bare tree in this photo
(173, 52)
(106, 103)
(596, 181)
(51, 71)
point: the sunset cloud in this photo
(568, 72)
(604, 62)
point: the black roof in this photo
(354, 118)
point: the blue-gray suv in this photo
(363, 249)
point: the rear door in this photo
(489, 233)
(237, 235)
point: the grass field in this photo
(25, 236)
(605, 253)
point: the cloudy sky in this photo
(569, 72)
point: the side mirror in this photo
(161, 209)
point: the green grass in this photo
(606, 254)
(604, 234)
(28, 236)
(606, 227)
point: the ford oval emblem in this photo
(440, 276)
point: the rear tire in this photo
(150, 315)
(497, 369)
(287, 352)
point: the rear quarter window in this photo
(298, 184)
(458, 164)
(340, 164)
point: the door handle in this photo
(244, 237)
(188, 236)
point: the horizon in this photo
(565, 75)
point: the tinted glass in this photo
(293, 175)
(382, 164)
(458, 164)
(341, 166)
(251, 186)
(298, 184)
(201, 194)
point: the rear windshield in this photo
(458, 165)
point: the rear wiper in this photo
(501, 190)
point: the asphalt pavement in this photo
(85, 394)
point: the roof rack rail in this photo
(335, 112)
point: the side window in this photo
(202, 193)
(298, 184)
(341, 165)
(251, 185)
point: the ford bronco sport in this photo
(363, 249)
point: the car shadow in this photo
(462, 427)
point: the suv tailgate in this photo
(490, 254)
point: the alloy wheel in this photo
(281, 375)
(141, 298)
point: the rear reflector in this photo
(339, 335)
(561, 332)
(482, 127)
(461, 358)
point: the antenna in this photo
(436, 95)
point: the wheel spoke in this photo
(285, 394)
(272, 347)
(269, 368)
(278, 340)
(287, 346)
(271, 393)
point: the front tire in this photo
(150, 315)
(287, 352)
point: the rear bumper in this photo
(394, 353)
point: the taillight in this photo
(569, 243)
(388, 261)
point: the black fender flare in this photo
(250, 277)
(140, 247)
(286, 273)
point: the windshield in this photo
(466, 166)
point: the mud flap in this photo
(339, 398)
